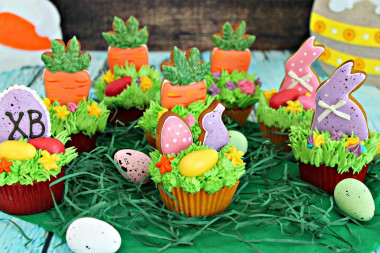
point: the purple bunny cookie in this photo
(213, 131)
(336, 109)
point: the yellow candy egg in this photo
(17, 150)
(198, 162)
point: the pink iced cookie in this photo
(213, 131)
(172, 134)
(299, 74)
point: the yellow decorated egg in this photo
(17, 150)
(198, 162)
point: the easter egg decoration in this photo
(354, 199)
(281, 98)
(51, 145)
(336, 109)
(22, 114)
(133, 163)
(17, 150)
(239, 140)
(173, 134)
(213, 131)
(116, 87)
(198, 162)
(92, 235)
(300, 75)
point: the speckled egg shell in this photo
(354, 199)
(239, 140)
(92, 235)
(134, 164)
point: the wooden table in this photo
(270, 68)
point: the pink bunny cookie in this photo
(299, 74)
(336, 109)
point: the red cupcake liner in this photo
(82, 142)
(325, 177)
(282, 140)
(125, 116)
(239, 115)
(17, 199)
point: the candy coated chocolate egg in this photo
(116, 87)
(198, 162)
(354, 199)
(51, 145)
(239, 140)
(17, 150)
(92, 235)
(133, 163)
(280, 99)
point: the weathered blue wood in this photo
(269, 67)
(23, 76)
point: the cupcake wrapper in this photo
(125, 116)
(151, 140)
(280, 139)
(239, 115)
(17, 199)
(327, 178)
(82, 142)
(200, 203)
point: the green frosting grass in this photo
(279, 118)
(222, 174)
(331, 153)
(148, 122)
(79, 121)
(133, 95)
(234, 97)
(27, 171)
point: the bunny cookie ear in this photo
(172, 134)
(336, 109)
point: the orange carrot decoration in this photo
(231, 49)
(183, 78)
(127, 43)
(65, 77)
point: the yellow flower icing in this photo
(47, 103)
(146, 83)
(108, 77)
(161, 112)
(351, 141)
(61, 112)
(269, 94)
(293, 107)
(94, 109)
(318, 140)
(235, 156)
(49, 161)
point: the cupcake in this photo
(65, 77)
(128, 92)
(294, 103)
(337, 144)
(82, 122)
(231, 49)
(238, 91)
(30, 160)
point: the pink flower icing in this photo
(246, 86)
(190, 120)
(72, 107)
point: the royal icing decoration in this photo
(94, 110)
(49, 161)
(173, 134)
(5, 166)
(22, 114)
(336, 108)
(235, 156)
(300, 75)
(213, 131)
(165, 164)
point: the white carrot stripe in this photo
(332, 108)
(299, 80)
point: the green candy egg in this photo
(354, 199)
(239, 140)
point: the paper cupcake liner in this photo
(239, 115)
(151, 140)
(200, 203)
(125, 116)
(280, 139)
(17, 199)
(82, 142)
(327, 178)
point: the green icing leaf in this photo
(126, 35)
(186, 71)
(132, 96)
(332, 153)
(222, 174)
(79, 121)
(231, 40)
(279, 118)
(148, 122)
(234, 97)
(70, 61)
